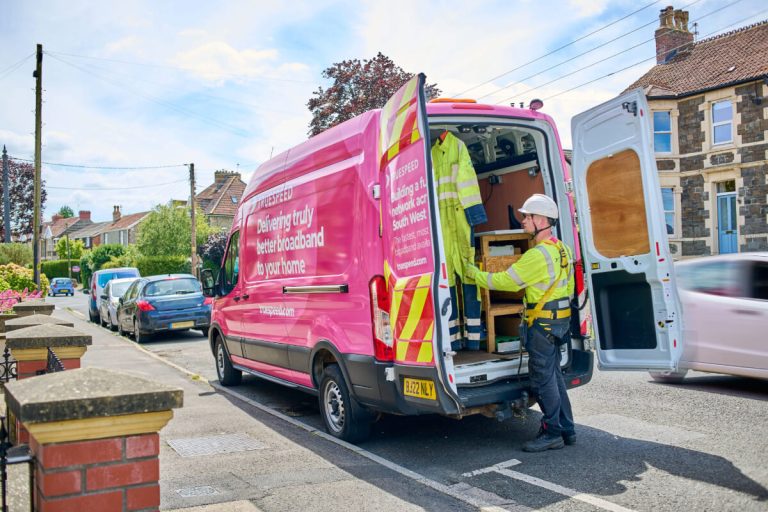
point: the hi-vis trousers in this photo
(473, 329)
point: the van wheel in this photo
(669, 377)
(228, 376)
(92, 317)
(102, 321)
(344, 418)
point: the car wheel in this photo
(344, 418)
(204, 330)
(137, 334)
(120, 331)
(669, 377)
(228, 375)
(102, 321)
(111, 326)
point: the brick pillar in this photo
(29, 346)
(94, 436)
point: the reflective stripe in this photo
(445, 180)
(452, 323)
(473, 199)
(489, 280)
(455, 172)
(473, 336)
(550, 263)
(466, 184)
(516, 278)
(473, 321)
(448, 195)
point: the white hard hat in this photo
(539, 204)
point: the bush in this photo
(19, 278)
(20, 254)
(59, 268)
(155, 265)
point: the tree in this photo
(66, 212)
(167, 230)
(20, 254)
(73, 252)
(22, 194)
(357, 87)
(213, 249)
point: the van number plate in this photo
(419, 388)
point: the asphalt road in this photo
(641, 445)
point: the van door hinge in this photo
(376, 191)
(630, 106)
(569, 186)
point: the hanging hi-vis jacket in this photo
(459, 201)
(549, 262)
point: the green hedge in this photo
(154, 265)
(59, 268)
(14, 277)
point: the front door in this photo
(726, 223)
(624, 237)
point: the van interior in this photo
(508, 160)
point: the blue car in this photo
(170, 302)
(61, 285)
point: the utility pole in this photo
(38, 74)
(69, 260)
(6, 198)
(192, 214)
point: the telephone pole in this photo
(6, 198)
(192, 214)
(38, 74)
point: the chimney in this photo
(115, 213)
(220, 177)
(84, 215)
(672, 36)
(56, 217)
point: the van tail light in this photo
(383, 342)
(144, 305)
(93, 291)
(208, 301)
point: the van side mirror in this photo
(120, 300)
(104, 296)
(208, 282)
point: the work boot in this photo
(544, 442)
(569, 438)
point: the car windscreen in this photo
(172, 287)
(108, 276)
(119, 289)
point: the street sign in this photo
(75, 268)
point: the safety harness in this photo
(551, 310)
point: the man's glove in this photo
(470, 271)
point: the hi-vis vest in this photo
(459, 202)
(550, 261)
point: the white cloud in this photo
(585, 8)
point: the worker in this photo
(545, 272)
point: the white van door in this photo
(630, 277)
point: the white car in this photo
(725, 315)
(110, 298)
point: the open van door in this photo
(410, 228)
(624, 239)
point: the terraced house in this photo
(708, 100)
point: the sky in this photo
(135, 90)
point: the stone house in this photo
(708, 101)
(220, 199)
(123, 229)
(59, 227)
(90, 235)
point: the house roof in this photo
(728, 59)
(90, 230)
(60, 226)
(126, 222)
(223, 196)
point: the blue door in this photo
(726, 223)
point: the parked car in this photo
(99, 280)
(725, 312)
(109, 300)
(61, 285)
(163, 303)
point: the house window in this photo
(722, 117)
(668, 200)
(662, 132)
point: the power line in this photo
(649, 58)
(558, 49)
(104, 167)
(603, 59)
(118, 188)
(16, 65)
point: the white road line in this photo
(501, 465)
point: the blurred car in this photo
(61, 285)
(109, 300)
(725, 315)
(163, 303)
(99, 280)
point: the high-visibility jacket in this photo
(549, 261)
(459, 202)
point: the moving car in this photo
(725, 313)
(163, 303)
(61, 285)
(110, 299)
(99, 280)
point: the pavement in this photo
(219, 453)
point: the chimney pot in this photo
(116, 213)
(84, 214)
(672, 36)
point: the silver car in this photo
(110, 298)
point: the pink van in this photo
(334, 280)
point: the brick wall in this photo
(689, 125)
(753, 124)
(693, 208)
(753, 194)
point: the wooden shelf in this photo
(505, 309)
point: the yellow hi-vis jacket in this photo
(459, 202)
(548, 261)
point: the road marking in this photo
(501, 465)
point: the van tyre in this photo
(94, 318)
(344, 418)
(669, 377)
(228, 375)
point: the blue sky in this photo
(224, 84)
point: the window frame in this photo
(673, 211)
(662, 132)
(717, 124)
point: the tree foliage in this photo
(167, 230)
(22, 195)
(74, 251)
(213, 249)
(66, 212)
(357, 87)
(20, 254)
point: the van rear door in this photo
(624, 238)
(410, 228)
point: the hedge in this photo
(14, 277)
(155, 265)
(59, 268)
